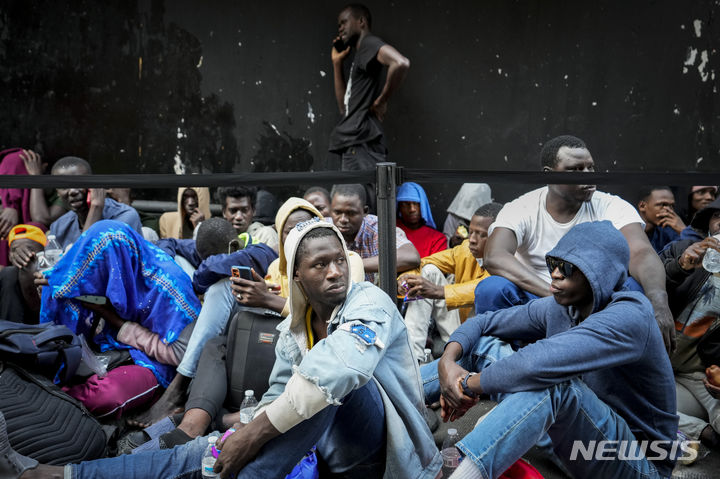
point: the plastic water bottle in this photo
(711, 260)
(53, 251)
(450, 454)
(41, 262)
(247, 408)
(427, 357)
(208, 460)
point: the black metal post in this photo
(385, 187)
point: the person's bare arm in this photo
(338, 77)
(407, 258)
(242, 446)
(397, 66)
(648, 270)
(499, 259)
(9, 217)
(97, 204)
(39, 211)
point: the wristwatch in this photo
(464, 385)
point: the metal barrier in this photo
(387, 176)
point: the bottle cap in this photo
(249, 392)
(452, 431)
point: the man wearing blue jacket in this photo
(596, 377)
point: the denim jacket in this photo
(343, 362)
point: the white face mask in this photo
(479, 261)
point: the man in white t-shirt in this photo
(529, 226)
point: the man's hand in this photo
(416, 285)
(107, 312)
(196, 217)
(379, 108)
(32, 161)
(40, 282)
(713, 390)
(97, 197)
(454, 402)
(336, 56)
(712, 381)
(256, 293)
(693, 255)
(670, 218)
(22, 256)
(8, 218)
(665, 320)
(242, 446)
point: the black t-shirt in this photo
(358, 125)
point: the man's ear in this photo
(642, 206)
(366, 209)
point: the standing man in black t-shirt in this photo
(358, 137)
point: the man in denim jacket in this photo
(344, 379)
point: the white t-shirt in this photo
(537, 232)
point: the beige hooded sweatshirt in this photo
(171, 223)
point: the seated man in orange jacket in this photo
(432, 296)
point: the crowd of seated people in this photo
(566, 293)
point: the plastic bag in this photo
(95, 364)
(307, 468)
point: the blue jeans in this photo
(567, 412)
(217, 309)
(350, 439)
(496, 292)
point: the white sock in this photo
(467, 470)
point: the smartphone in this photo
(339, 45)
(242, 272)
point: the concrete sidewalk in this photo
(704, 468)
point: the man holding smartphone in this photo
(358, 137)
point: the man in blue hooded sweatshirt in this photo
(596, 379)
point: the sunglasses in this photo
(566, 269)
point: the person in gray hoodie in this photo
(595, 378)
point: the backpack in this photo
(45, 423)
(47, 348)
(251, 341)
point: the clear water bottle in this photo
(450, 454)
(711, 260)
(53, 250)
(247, 408)
(208, 460)
(41, 262)
(426, 357)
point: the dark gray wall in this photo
(241, 86)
